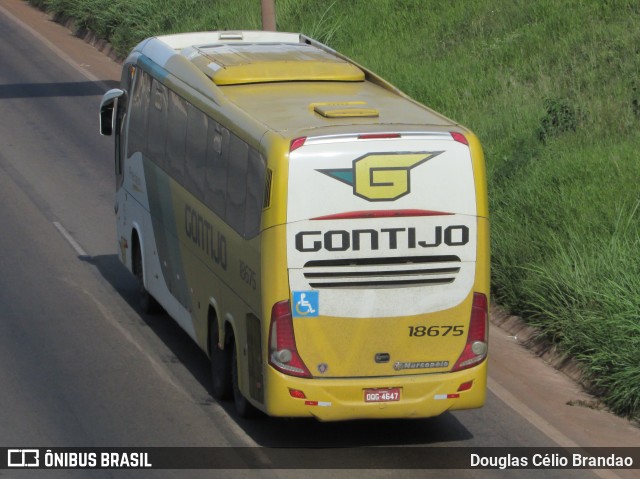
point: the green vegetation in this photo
(553, 91)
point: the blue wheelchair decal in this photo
(306, 304)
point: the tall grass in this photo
(587, 299)
(553, 91)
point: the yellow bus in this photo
(319, 234)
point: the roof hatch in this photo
(349, 109)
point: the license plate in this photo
(382, 395)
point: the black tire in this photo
(221, 384)
(148, 303)
(244, 408)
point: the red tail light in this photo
(297, 143)
(379, 136)
(460, 138)
(475, 350)
(283, 354)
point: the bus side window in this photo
(158, 124)
(217, 161)
(138, 116)
(176, 137)
(237, 183)
(255, 193)
(196, 152)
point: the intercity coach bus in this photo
(319, 234)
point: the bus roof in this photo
(288, 82)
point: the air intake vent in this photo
(267, 188)
(382, 272)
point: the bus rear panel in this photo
(386, 259)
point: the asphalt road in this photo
(82, 367)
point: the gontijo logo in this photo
(381, 176)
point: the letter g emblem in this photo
(381, 176)
(385, 177)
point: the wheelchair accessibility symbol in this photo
(305, 304)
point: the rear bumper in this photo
(423, 395)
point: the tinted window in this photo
(217, 161)
(139, 107)
(213, 164)
(237, 183)
(157, 123)
(196, 151)
(176, 137)
(255, 193)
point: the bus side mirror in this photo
(107, 118)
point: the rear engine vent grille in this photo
(382, 272)
(267, 188)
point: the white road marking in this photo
(155, 364)
(162, 371)
(66, 235)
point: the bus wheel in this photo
(221, 386)
(243, 407)
(148, 303)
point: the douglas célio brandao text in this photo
(549, 461)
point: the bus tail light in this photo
(475, 350)
(283, 354)
(379, 136)
(297, 143)
(460, 138)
